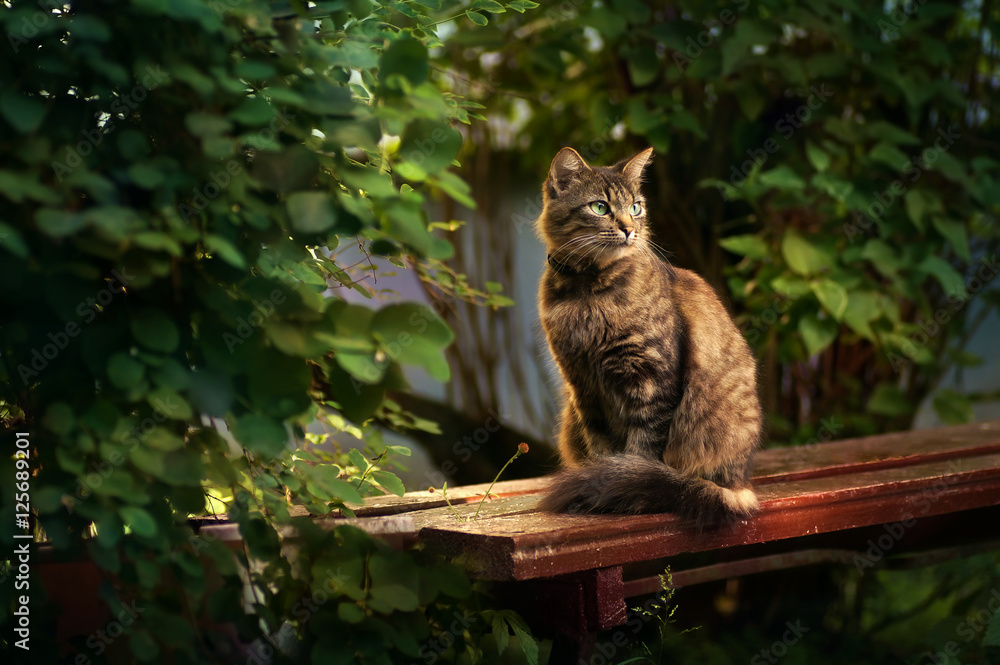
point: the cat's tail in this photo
(630, 484)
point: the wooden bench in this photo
(860, 502)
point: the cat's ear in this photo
(567, 165)
(634, 167)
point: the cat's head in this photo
(593, 214)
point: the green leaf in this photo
(886, 131)
(746, 245)
(522, 5)
(477, 18)
(350, 612)
(25, 114)
(954, 232)
(204, 124)
(863, 307)
(389, 481)
(889, 155)
(992, 636)
(12, 241)
(882, 257)
(59, 418)
(399, 323)
(430, 145)
(154, 330)
(953, 408)
(323, 482)
(140, 521)
(261, 434)
(344, 491)
(918, 204)
(253, 112)
(817, 333)
(950, 279)
(803, 256)
(528, 644)
(169, 404)
(791, 286)
(500, 632)
(832, 296)
(491, 6)
(226, 250)
(358, 459)
(124, 371)
(817, 157)
(146, 175)
(394, 581)
(782, 177)
(835, 187)
(59, 223)
(89, 27)
(311, 212)
(143, 645)
(888, 400)
(407, 57)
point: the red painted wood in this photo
(607, 608)
(876, 452)
(533, 544)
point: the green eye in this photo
(636, 209)
(599, 207)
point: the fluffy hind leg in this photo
(714, 435)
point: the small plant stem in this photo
(371, 466)
(483, 500)
(444, 493)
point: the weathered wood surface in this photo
(815, 489)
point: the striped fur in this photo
(661, 412)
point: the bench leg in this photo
(571, 609)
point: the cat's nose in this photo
(629, 231)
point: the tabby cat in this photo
(661, 412)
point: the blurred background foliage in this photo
(202, 205)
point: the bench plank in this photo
(523, 544)
(876, 452)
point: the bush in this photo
(177, 180)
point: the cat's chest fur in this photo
(610, 330)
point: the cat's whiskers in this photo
(575, 240)
(590, 247)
